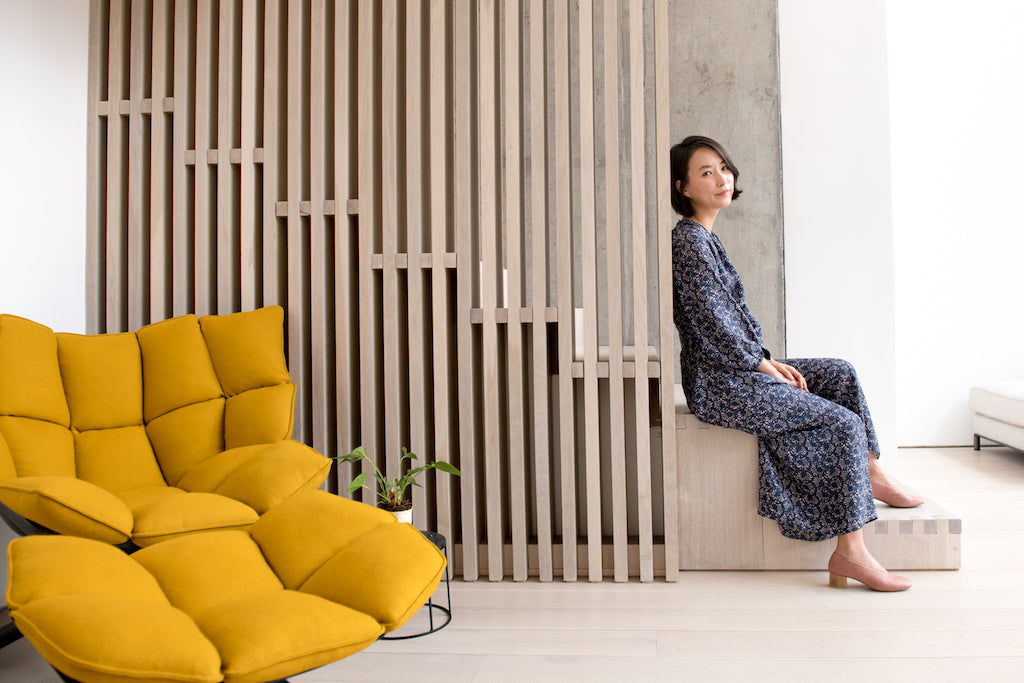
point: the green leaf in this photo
(357, 483)
(448, 467)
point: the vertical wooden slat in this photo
(639, 199)
(159, 256)
(181, 217)
(438, 176)
(95, 295)
(298, 242)
(345, 346)
(227, 244)
(273, 96)
(416, 178)
(114, 285)
(588, 221)
(667, 338)
(369, 298)
(393, 408)
(248, 218)
(490, 284)
(136, 286)
(465, 267)
(321, 366)
(616, 385)
(514, 226)
(539, 285)
(204, 261)
(566, 312)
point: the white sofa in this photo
(999, 413)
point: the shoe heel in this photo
(836, 581)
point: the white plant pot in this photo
(404, 516)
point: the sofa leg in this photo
(977, 442)
(9, 633)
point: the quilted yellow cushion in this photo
(277, 472)
(69, 506)
(117, 459)
(7, 469)
(212, 472)
(387, 590)
(176, 365)
(185, 437)
(279, 634)
(261, 476)
(38, 568)
(348, 553)
(96, 614)
(38, 447)
(206, 569)
(29, 372)
(102, 376)
(299, 535)
(165, 513)
(261, 415)
(247, 349)
(99, 638)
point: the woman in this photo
(818, 448)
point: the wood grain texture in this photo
(432, 190)
(466, 276)
(539, 380)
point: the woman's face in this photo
(710, 181)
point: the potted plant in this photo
(391, 492)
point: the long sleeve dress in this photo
(813, 445)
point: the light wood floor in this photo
(966, 625)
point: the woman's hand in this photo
(782, 372)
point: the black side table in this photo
(442, 545)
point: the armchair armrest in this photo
(260, 476)
(69, 506)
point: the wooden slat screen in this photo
(458, 204)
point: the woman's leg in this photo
(883, 488)
(837, 381)
(852, 560)
(852, 547)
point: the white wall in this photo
(43, 53)
(956, 75)
(838, 220)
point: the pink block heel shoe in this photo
(894, 497)
(841, 568)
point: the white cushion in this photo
(1003, 401)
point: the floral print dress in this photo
(813, 445)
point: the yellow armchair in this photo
(137, 438)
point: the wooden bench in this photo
(720, 528)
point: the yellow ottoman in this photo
(317, 578)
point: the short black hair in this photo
(679, 161)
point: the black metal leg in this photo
(442, 544)
(9, 633)
(977, 442)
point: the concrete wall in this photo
(725, 84)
